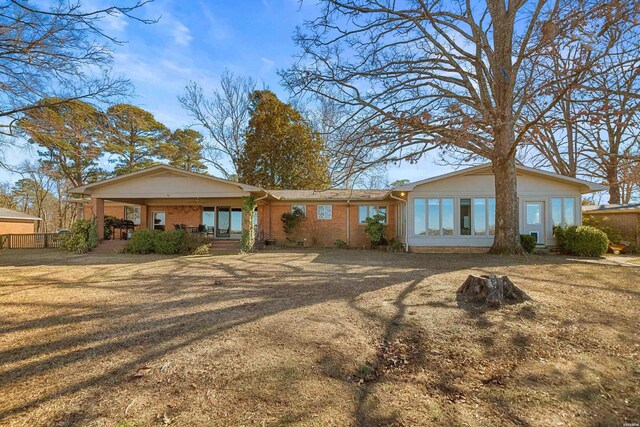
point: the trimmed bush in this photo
(602, 223)
(82, 236)
(528, 242)
(375, 230)
(394, 246)
(169, 242)
(142, 241)
(166, 243)
(582, 241)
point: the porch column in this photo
(98, 212)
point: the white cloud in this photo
(180, 33)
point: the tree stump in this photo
(492, 290)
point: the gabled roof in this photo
(587, 185)
(154, 169)
(11, 214)
(332, 194)
(634, 207)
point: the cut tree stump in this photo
(492, 290)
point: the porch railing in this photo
(30, 241)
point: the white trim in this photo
(591, 186)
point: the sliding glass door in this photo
(224, 222)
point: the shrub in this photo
(290, 221)
(82, 236)
(340, 244)
(375, 230)
(582, 240)
(394, 246)
(142, 241)
(166, 243)
(169, 242)
(601, 223)
(528, 242)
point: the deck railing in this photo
(30, 241)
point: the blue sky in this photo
(196, 40)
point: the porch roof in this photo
(163, 181)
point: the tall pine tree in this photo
(281, 149)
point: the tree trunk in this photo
(614, 185)
(507, 237)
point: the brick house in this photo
(455, 211)
(625, 218)
(14, 222)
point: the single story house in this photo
(14, 222)
(626, 218)
(455, 211)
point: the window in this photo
(420, 217)
(465, 217)
(209, 218)
(303, 208)
(365, 211)
(132, 213)
(158, 220)
(325, 211)
(433, 217)
(491, 220)
(534, 213)
(563, 211)
(446, 207)
(479, 216)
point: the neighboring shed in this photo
(14, 222)
(625, 218)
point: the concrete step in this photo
(231, 246)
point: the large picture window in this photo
(563, 211)
(369, 211)
(433, 217)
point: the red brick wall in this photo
(628, 223)
(191, 216)
(321, 232)
(318, 232)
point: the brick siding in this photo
(17, 227)
(627, 222)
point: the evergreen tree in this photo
(134, 137)
(281, 149)
(183, 149)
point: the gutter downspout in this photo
(348, 222)
(406, 231)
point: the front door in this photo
(224, 222)
(534, 221)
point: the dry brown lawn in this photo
(321, 338)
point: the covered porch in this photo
(166, 198)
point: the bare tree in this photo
(594, 131)
(225, 115)
(57, 52)
(456, 74)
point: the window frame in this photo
(376, 209)
(303, 208)
(563, 221)
(440, 216)
(324, 217)
(489, 203)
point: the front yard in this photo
(314, 338)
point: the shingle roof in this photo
(611, 208)
(11, 214)
(329, 194)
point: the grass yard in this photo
(313, 338)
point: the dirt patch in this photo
(277, 338)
